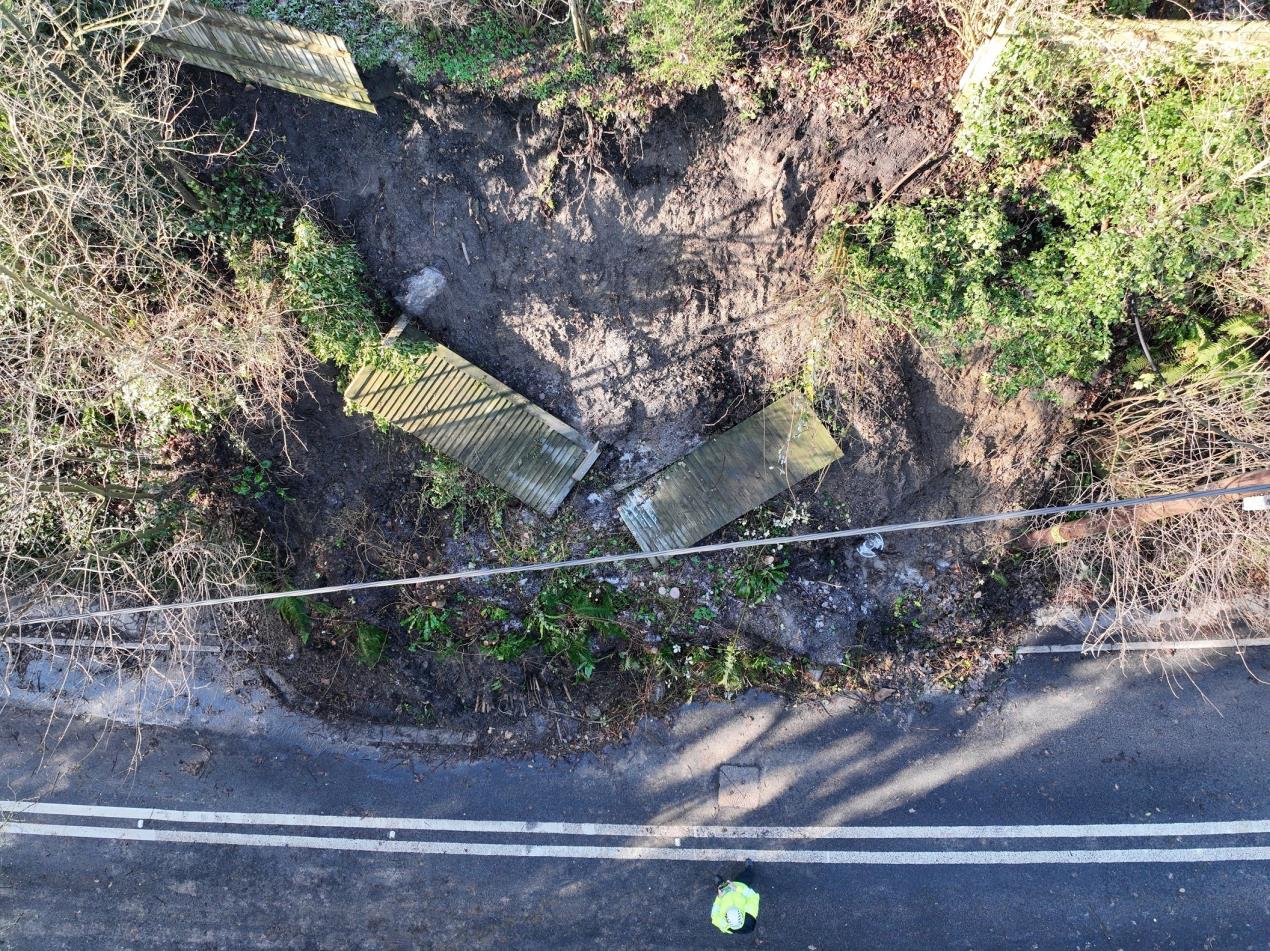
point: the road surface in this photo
(1083, 806)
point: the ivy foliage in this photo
(266, 243)
(327, 286)
(1107, 191)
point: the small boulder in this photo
(418, 291)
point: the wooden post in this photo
(581, 32)
(1106, 522)
(1212, 40)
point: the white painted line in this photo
(1217, 643)
(647, 853)
(18, 808)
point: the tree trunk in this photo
(581, 32)
(1105, 522)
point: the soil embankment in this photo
(650, 293)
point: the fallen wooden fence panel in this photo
(312, 64)
(462, 411)
(1211, 40)
(729, 475)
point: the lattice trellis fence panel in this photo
(274, 54)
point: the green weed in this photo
(448, 485)
(757, 580)
(295, 612)
(567, 613)
(372, 38)
(726, 669)
(1200, 349)
(427, 627)
(255, 481)
(905, 616)
(685, 44)
(369, 642)
(506, 646)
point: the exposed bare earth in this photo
(649, 297)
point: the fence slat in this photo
(312, 64)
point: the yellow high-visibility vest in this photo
(733, 895)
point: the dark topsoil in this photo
(649, 295)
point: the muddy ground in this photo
(649, 294)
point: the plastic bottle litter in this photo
(871, 545)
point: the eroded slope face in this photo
(628, 295)
(660, 292)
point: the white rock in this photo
(420, 290)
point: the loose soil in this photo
(650, 293)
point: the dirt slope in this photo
(650, 297)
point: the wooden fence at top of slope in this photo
(312, 64)
(1212, 40)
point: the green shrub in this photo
(243, 209)
(1042, 268)
(468, 56)
(1044, 99)
(327, 285)
(685, 44)
(1125, 8)
(323, 281)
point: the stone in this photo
(336, 494)
(419, 290)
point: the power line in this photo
(479, 573)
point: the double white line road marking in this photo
(379, 834)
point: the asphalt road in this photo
(1125, 811)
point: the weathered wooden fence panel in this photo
(728, 475)
(462, 411)
(312, 64)
(1212, 40)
